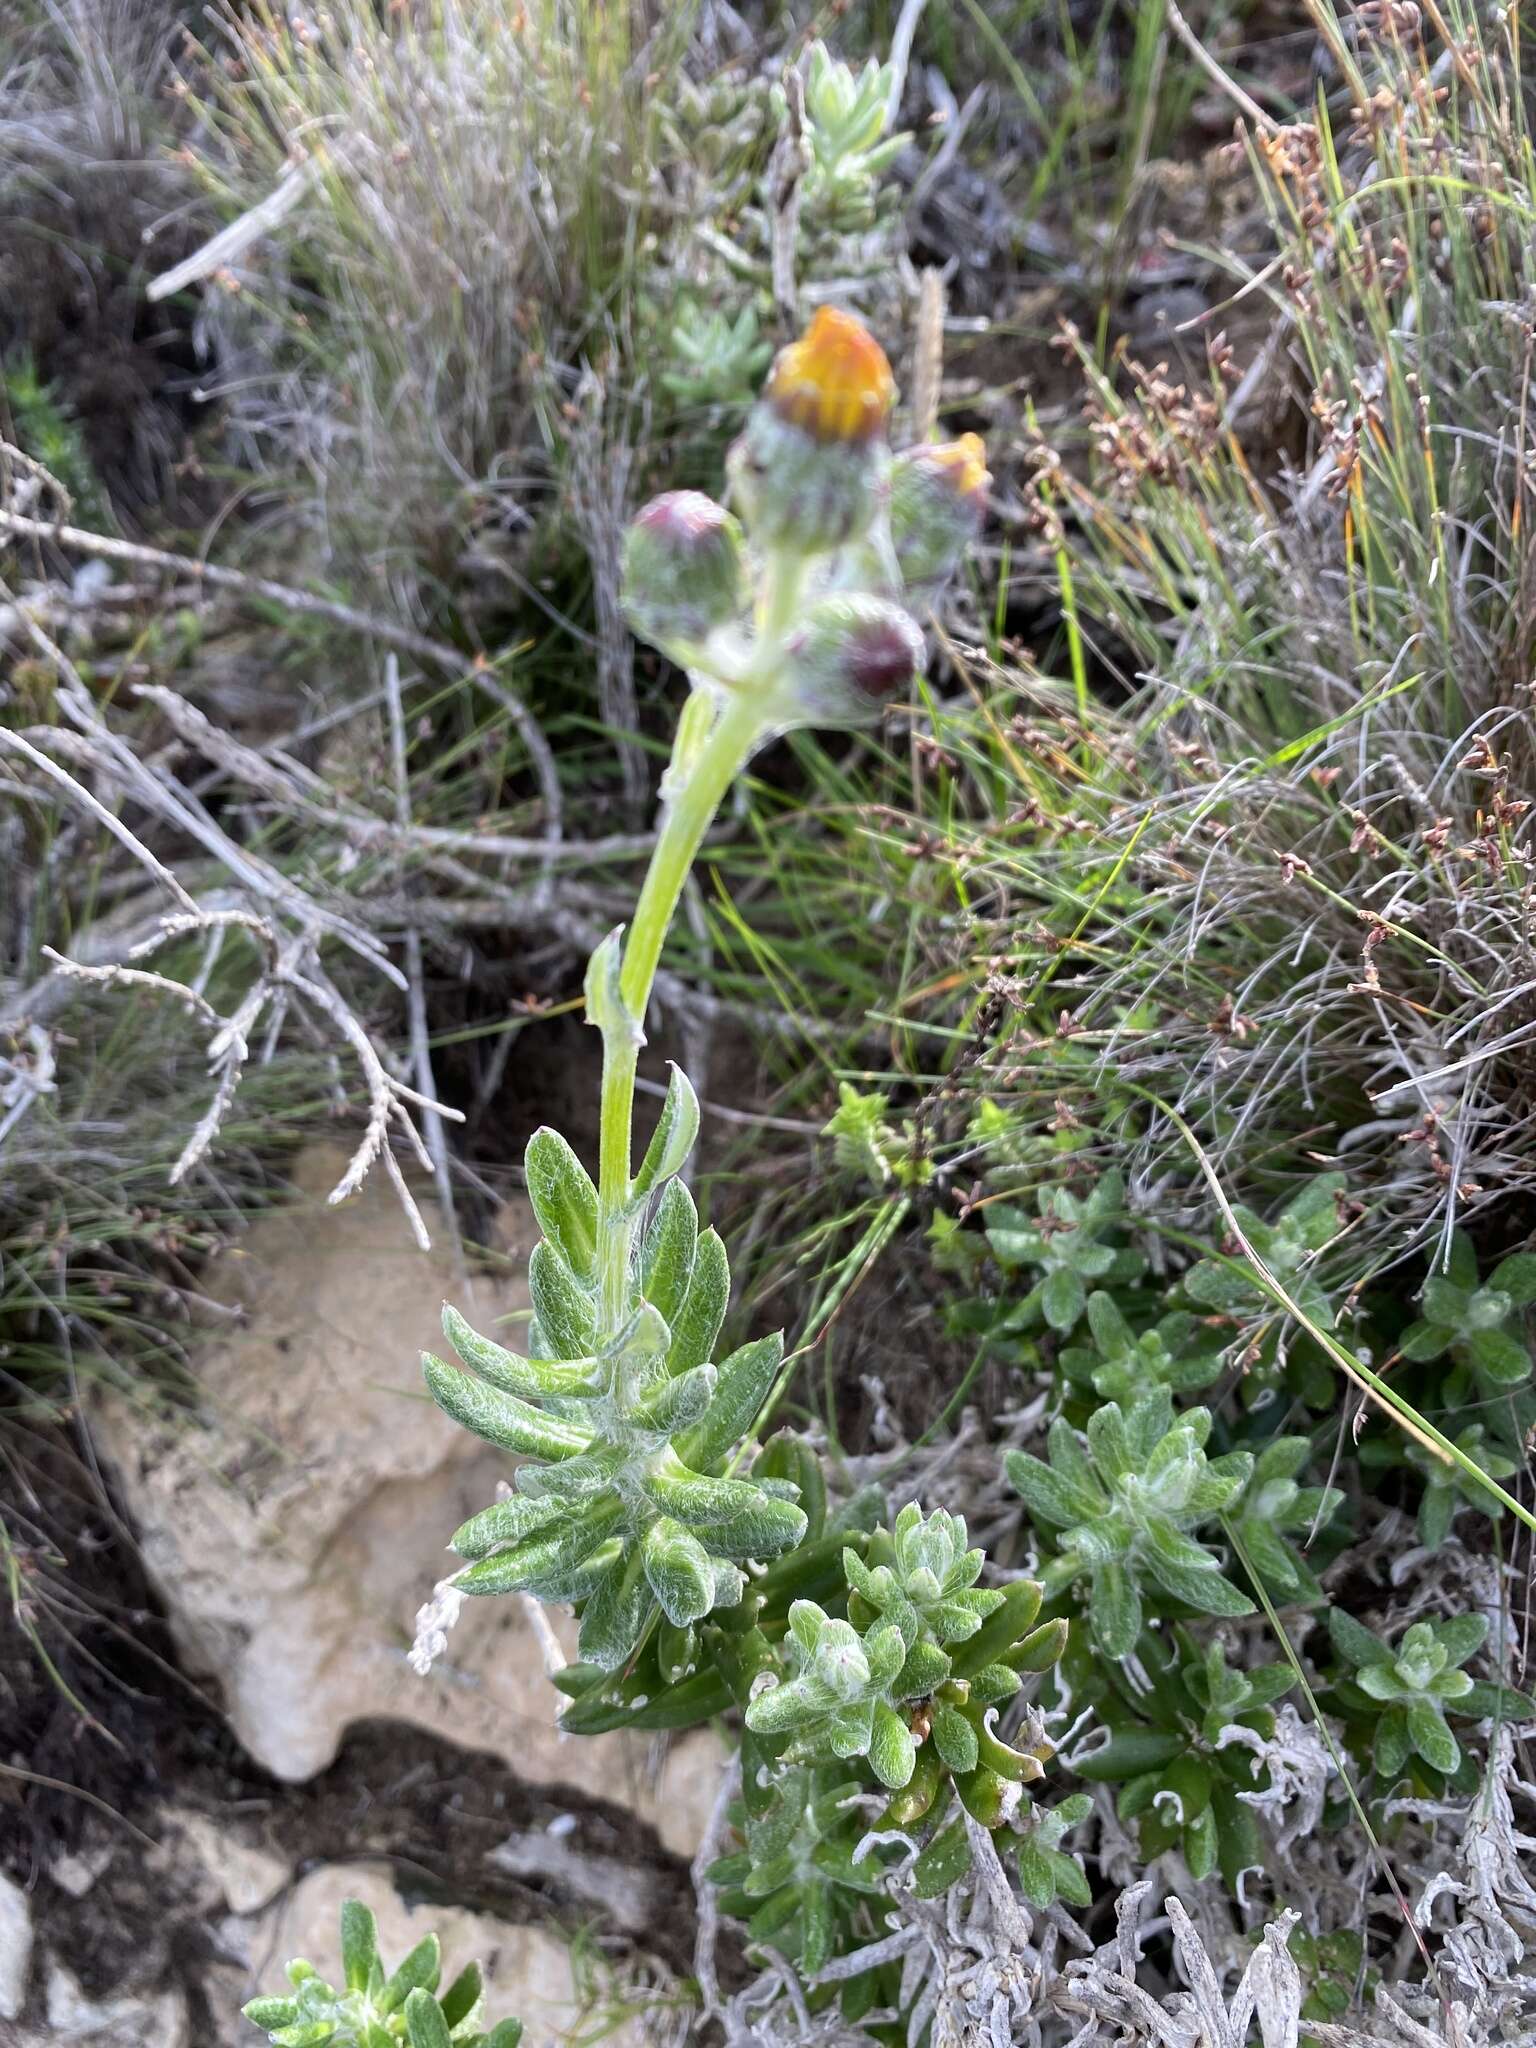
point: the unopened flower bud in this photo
(853, 654)
(938, 495)
(684, 571)
(811, 462)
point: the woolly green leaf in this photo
(424, 2022)
(1462, 1636)
(1499, 1357)
(1421, 1341)
(1070, 1882)
(1062, 1299)
(532, 1378)
(788, 1458)
(675, 1404)
(741, 1387)
(1431, 1737)
(1200, 1845)
(1446, 1303)
(1037, 1879)
(1109, 1441)
(680, 1572)
(1207, 1591)
(892, 1752)
(564, 1200)
(954, 1738)
(1436, 1512)
(505, 1521)
(1001, 1630)
(1516, 1277)
(505, 2034)
(615, 1614)
(1041, 1648)
(419, 1972)
(501, 1418)
(606, 1007)
(763, 1529)
(1114, 1608)
(359, 1944)
(1355, 1643)
(697, 1322)
(1049, 1496)
(462, 1995)
(270, 2013)
(547, 1553)
(666, 1257)
(944, 1862)
(555, 1487)
(1269, 1556)
(1392, 1746)
(564, 1309)
(673, 1138)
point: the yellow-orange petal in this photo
(834, 381)
(962, 464)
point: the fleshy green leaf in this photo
(680, 1572)
(673, 1138)
(419, 1972)
(741, 1387)
(666, 1257)
(564, 1309)
(1431, 1737)
(1114, 1608)
(615, 1614)
(501, 1418)
(954, 1738)
(359, 1944)
(697, 1322)
(564, 1200)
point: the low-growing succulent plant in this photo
(1120, 1510)
(1480, 1326)
(375, 2007)
(1179, 1780)
(1274, 1512)
(1409, 1689)
(1288, 1246)
(1447, 1486)
(1071, 1243)
(1119, 1363)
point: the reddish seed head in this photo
(882, 657)
(683, 517)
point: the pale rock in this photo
(294, 1528)
(527, 1971)
(76, 1873)
(246, 1876)
(160, 2022)
(15, 1947)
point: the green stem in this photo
(685, 821)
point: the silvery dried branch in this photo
(285, 927)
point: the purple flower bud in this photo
(853, 654)
(938, 495)
(684, 571)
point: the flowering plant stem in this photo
(688, 812)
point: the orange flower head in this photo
(962, 464)
(834, 382)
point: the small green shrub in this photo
(375, 2007)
